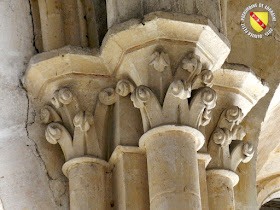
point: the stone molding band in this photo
(83, 160)
(199, 137)
(225, 173)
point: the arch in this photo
(269, 190)
(269, 142)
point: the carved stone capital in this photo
(164, 68)
(75, 129)
(171, 75)
(188, 99)
(226, 146)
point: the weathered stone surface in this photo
(141, 51)
(173, 89)
(262, 56)
(130, 178)
(24, 183)
(58, 23)
(121, 10)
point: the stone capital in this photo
(78, 132)
(226, 146)
(159, 82)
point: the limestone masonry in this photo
(139, 104)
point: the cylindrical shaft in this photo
(203, 160)
(130, 178)
(220, 185)
(51, 24)
(173, 167)
(87, 183)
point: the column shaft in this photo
(203, 160)
(130, 179)
(220, 185)
(173, 167)
(51, 24)
(87, 183)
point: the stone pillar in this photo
(51, 24)
(87, 183)
(71, 22)
(203, 161)
(78, 134)
(130, 178)
(220, 185)
(173, 166)
(227, 151)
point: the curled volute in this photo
(48, 114)
(225, 145)
(189, 98)
(108, 96)
(78, 132)
(124, 87)
(181, 89)
(57, 133)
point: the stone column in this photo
(203, 161)
(220, 185)
(130, 178)
(51, 24)
(227, 151)
(173, 166)
(87, 182)
(78, 134)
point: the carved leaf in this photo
(88, 139)
(181, 89)
(124, 87)
(82, 121)
(160, 61)
(205, 78)
(190, 67)
(201, 104)
(108, 96)
(176, 101)
(145, 100)
(57, 133)
(241, 152)
(62, 96)
(67, 106)
(225, 148)
(48, 114)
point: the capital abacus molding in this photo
(163, 67)
(237, 85)
(126, 39)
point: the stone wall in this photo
(24, 183)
